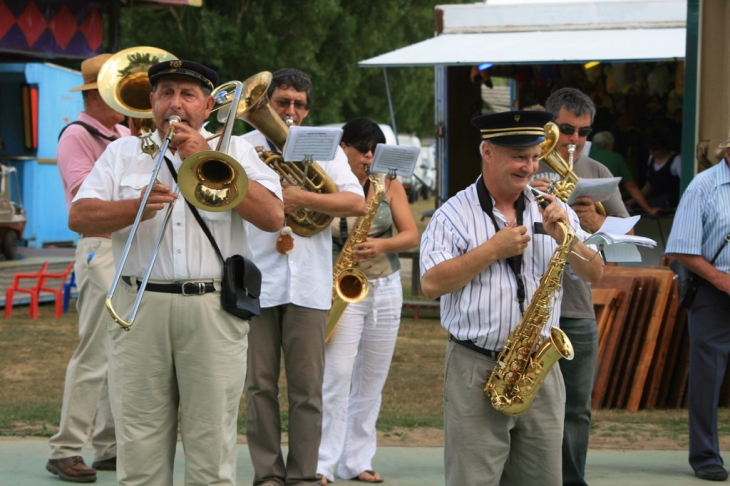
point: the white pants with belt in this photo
(357, 360)
(182, 352)
(86, 394)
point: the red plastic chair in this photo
(58, 292)
(33, 291)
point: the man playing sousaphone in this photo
(185, 352)
(296, 293)
(484, 253)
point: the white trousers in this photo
(183, 352)
(357, 360)
(86, 392)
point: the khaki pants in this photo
(299, 332)
(186, 352)
(484, 447)
(86, 395)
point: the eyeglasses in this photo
(570, 130)
(285, 103)
(362, 147)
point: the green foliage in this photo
(324, 38)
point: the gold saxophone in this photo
(349, 283)
(522, 365)
(562, 188)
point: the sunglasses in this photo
(570, 130)
(361, 147)
(285, 103)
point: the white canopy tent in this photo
(538, 32)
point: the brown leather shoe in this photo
(72, 469)
(106, 465)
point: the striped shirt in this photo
(703, 217)
(486, 309)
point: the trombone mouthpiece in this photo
(289, 121)
(174, 119)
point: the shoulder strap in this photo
(717, 254)
(89, 129)
(199, 219)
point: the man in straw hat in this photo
(699, 241)
(184, 351)
(484, 253)
(86, 395)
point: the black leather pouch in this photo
(241, 287)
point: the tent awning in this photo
(555, 46)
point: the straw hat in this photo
(90, 71)
(726, 143)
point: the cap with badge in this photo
(90, 71)
(178, 67)
(513, 128)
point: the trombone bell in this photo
(212, 181)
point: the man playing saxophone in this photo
(574, 112)
(484, 253)
(295, 295)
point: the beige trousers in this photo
(484, 447)
(182, 352)
(86, 395)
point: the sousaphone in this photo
(125, 87)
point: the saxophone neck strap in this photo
(343, 221)
(514, 262)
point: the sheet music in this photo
(316, 143)
(618, 226)
(597, 189)
(398, 159)
(621, 252)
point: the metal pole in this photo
(390, 105)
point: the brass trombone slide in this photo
(127, 325)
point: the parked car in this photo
(12, 214)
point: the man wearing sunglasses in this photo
(573, 112)
(296, 293)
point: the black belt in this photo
(185, 288)
(470, 344)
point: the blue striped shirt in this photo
(486, 309)
(703, 217)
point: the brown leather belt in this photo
(184, 288)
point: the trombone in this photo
(210, 180)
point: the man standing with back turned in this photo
(86, 393)
(295, 295)
(574, 112)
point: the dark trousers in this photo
(709, 333)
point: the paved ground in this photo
(22, 462)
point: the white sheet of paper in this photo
(317, 143)
(597, 189)
(621, 252)
(618, 226)
(400, 159)
(612, 239)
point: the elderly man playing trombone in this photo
(184, 351)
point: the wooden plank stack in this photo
(643, 353)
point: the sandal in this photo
(368, 477)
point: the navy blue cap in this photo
(204, 74)
(513, 128)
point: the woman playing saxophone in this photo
(358, 354)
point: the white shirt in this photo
(486, 309)
(304, 276)
(185, 252)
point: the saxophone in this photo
(349, 283)
(522, 365)
(563, 188)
